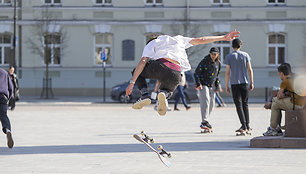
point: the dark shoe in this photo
(176, 109)
(205, 124)
(187, 108)
(10, 142)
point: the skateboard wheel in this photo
(152, 141)
(169, 155)
(143, 132)
(160, 147)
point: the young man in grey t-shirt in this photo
(238, 67)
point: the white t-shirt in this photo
(169, 47)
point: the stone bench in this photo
(295, 123)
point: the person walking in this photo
(15, 96)
(6, 91)
(206, 76)
(163, 59)
(180, 94)
(238, 69)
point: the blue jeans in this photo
(181, 95)
(5, 121)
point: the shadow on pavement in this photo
(121, 148)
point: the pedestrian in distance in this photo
(15, 96)
(163, 59)
(207, 77)
(180, 94)
(6, 91)
(286, 99)
(238, 70)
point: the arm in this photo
(208, 39)
(197, 73)
(227, 75)
(250, 71)
(280, 94)
(139, 68)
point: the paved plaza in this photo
(91, 137)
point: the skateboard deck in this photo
(206, 130)
(162, 159)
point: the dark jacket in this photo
(6, 86)
(207, 73)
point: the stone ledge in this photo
(277, 142)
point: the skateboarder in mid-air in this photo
(163, 59)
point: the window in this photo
(276, 49)
(220, 2)
(103, 2)
(276, 2)
(223, 46)
(128, 50)
(154, 2)
(52, 42)
(52, 2)
(5, 2)
(5, 48)
(103, 48)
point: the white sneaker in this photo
(162, 103)
(140, 103)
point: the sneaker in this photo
(205, 125)
(271, 132)
(176, 109)
(241, 129)
(141, 102)
(162, 103)
(10, 142)
(168, 109)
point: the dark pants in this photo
(5, 121)
(155, 69)
(180, 95)
(241, 96)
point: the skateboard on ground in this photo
(244, 133)
(206, 130)
(160, 154)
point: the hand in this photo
(251, 87)
(129, 89)
(220, 89)
(231, 35)
(228, 90)
(200, 87)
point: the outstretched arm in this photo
(139, 68)
(208, 39)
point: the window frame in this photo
(52, 3)
(154, 3)
(103, 3)
(221, 3)
(3, 46)
(2, 3)
(276, 3)
(221, 45)
(276, 46)
(103, 46)
(52, 46)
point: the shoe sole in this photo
(10, 142)
(141, 104)
(162, 105)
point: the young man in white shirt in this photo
(163, 59)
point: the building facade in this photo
(73, 37)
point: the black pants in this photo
(5, 121)
(241, 96)
(155, 69)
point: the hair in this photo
(284, 68)
(12, 67)
(236, 43)
(153, 38)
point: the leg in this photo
(5, 121)
(245, 105)
(179, 95)
(211, 99)
(204, 102)
(238, 103)
(276, 110)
